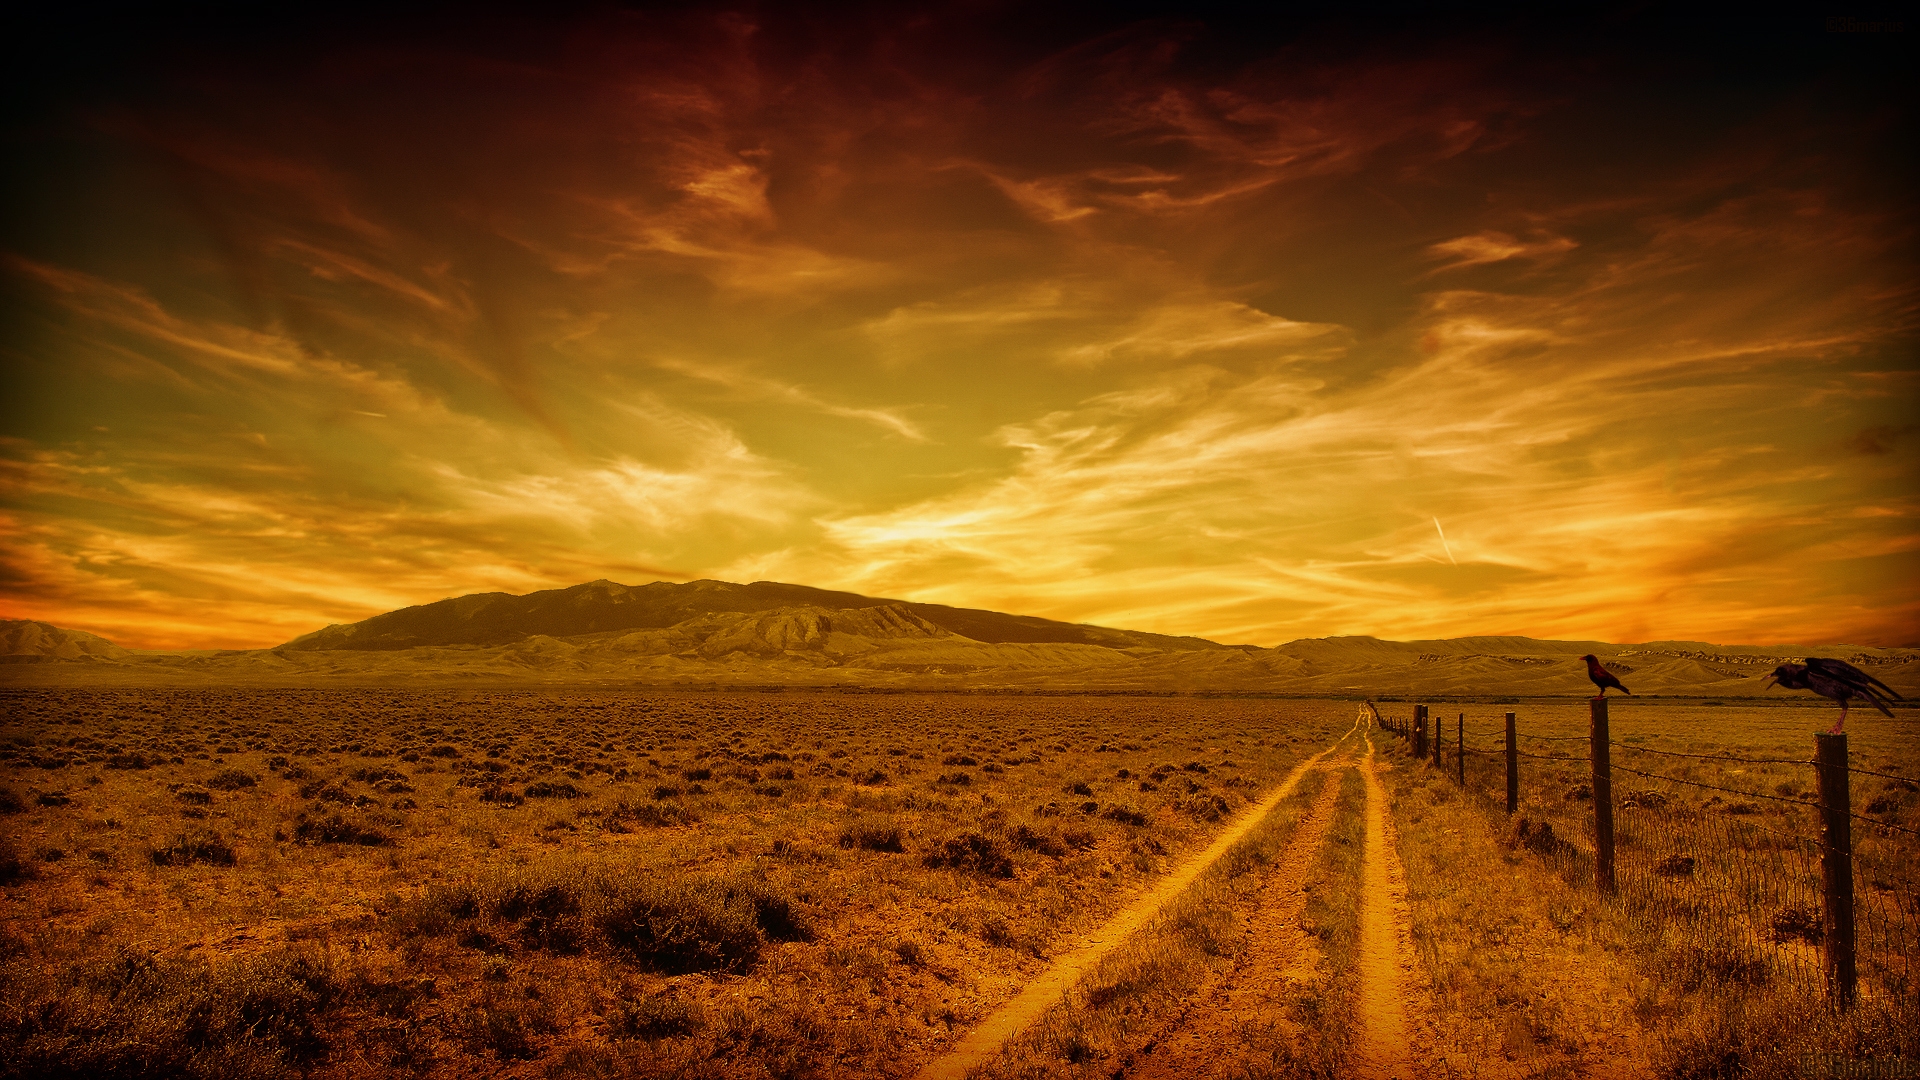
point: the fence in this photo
(1798, 895)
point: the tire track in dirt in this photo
(1280, 952)
(1384, 1046)
(985, 1040)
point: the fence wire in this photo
(1735, 886)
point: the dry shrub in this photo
(202, 846)
(507, 1025)
(1675, 866)
(873, 834)
(501, 796)
(336, 829)
(670, 924)
(231, 780)
(1714, 963)
(130, 1015)
(1204, 807)
(651, 815)
(657, 1016)
(1043, 842)
(10, 802)
(13, 866)
(972, 852)
(1802, 923)
(1535, 836)
(553, 789)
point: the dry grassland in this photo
(334, 884)
(1702, 968)
(260, 883)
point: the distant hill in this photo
(600, 606)
(773, 634)
(25, 641)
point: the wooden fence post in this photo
(1513, 768)
(1460, 748)
(1836, 865)
(1600, 747)
(1419, 731)
(1439, 736)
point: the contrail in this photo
(1443, 540)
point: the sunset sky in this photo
(1594, 329)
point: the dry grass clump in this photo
(231, 780)
(14, 866)
(672, 925)
(337, 829)
(201, 846)
(972, 852)
(874, 833)
(125, 1014)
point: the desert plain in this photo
(905, 858)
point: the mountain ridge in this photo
(776, 634)
(499, 618)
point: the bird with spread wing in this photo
(1836, 680)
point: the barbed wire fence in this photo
(1750, 883)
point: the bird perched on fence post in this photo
(1836, 680)
(1603, 678)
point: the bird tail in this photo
(1878, 703)
(1878, 685)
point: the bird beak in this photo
(1769, 681)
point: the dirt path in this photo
(986, 1039)
(1384, 1046)
(1280, 953)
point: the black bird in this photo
(1603, 678)
(1836, 680)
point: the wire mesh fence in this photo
(1720, 854)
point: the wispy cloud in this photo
(759, 386)
(1492, 247)
(1137, 324)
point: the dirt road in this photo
(986, 1039)
(1388, 1037)
(1385, 1046)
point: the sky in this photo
(1597, 327)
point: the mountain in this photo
(773, 634)
(25, 641)
(600, 606)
